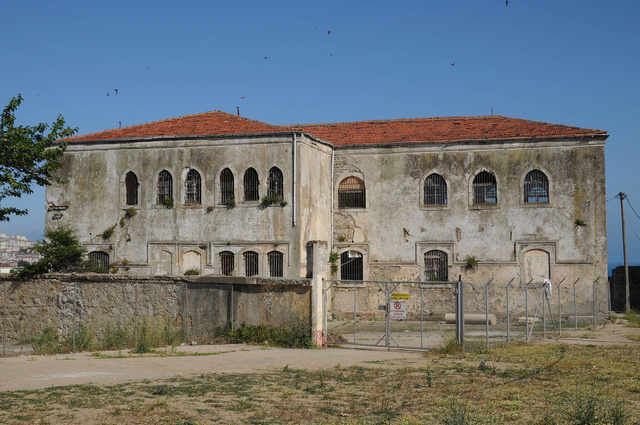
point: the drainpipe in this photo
(293, 182)
(332, 190)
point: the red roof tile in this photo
(448, 129)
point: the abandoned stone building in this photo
(406, 199)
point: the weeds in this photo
(297, 336)
(633, 319)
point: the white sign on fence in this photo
(398, 310)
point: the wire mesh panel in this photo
(251, 185)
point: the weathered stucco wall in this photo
(160, 240)
(396, 228)
(197, 305)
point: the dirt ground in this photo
(28, 372)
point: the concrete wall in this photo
(197, 305)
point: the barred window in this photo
(485, 189)
(352, 193)
(250, 263)
(192, 188)
(351, 266)
(251, 185)
(435, 266)
(435, 190)
(275, 263)
(131, 188)
(165, 188)
(275, 183)
(99, 259)
(536, 187)
(226, 263)
(226, 186)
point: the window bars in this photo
(226, 263)
(351, 193)
(435, 266)
(99, 259)
(131, 188)
(435, 190)
(250, 263)
(485, 189)
(192, 188)
(351, 266)
(275, 264)
(165, 187)
(275, 183)
(536, 187)
(226, 186)
(251, 185)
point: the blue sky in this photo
(571, 62)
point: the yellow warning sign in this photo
(396, 296)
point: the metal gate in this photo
(392, 314)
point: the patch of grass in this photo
(296, 336)
(194, 271)
(633, 319)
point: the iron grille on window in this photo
(250, 263)
(226, 263)
(131, 188)
(435, 190)
(351, 266)
(192, 187)
(226, 186)
(165, 187)
(536, 187)
(251, 185)
(275, 263)
(435, 266)
(351, 193)
(485, 189)
(99, 259)
(275, 183)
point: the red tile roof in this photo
(447, 129)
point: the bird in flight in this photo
(107, 93)
(329, 32)
(265, 57)
(115, 90)
(453, 63)
(241, 97)
(507, 3)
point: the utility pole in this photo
(627, 304)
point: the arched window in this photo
(436, 266)
(352, 193)
(275, 264)
(435, 190)
(165, 188)
(250, 263)
(485, 189)
(131, 188)
(226, 263)
(351, 266)
(99, 259)
(192, 188)
(536, 187)
(251, 185)
(227, 195)
(275, 184)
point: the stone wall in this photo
(196, 305)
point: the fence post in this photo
(508, 314)
(355, 309)
(387, 318)
(459, 313)
(135, 314)
(595, 310)
(575, 305)
(73, 316)
(486, 311)
(4, 313)
(324, 312)
(186, 304)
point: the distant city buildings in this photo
(13, 250)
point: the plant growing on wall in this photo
(580, 223)
(168, 203)
(333, 259)
(194, 271)
(130, 212)
(230, 202)
(470, 262)
(108, 232)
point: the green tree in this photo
(61, 252)
(27, 155)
